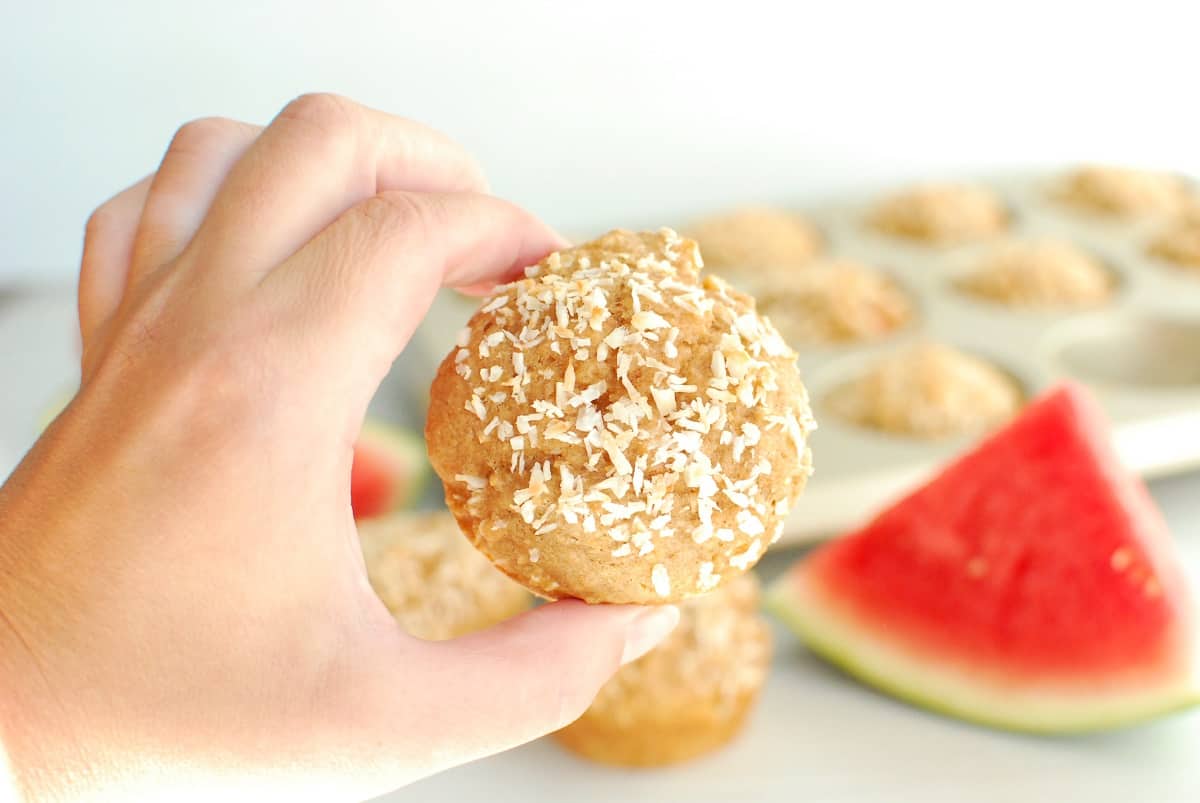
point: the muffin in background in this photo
(833, 301)
(433, 581)
(941, 214)
(749, 241)
(688, 696)
(1123, 192)
(1179, 243)
(1040, 274)
(930, 390)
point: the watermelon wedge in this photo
(1031, 586)
(389, 470)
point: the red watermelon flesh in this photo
(1031, 585)
(388, 472)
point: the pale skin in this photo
(184, 612)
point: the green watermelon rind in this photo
(409, 447)
(926, 686)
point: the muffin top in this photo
(616, 428)
(941, 214)
(929, 390)
(433, 581)
(1040, 273)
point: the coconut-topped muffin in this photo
(1040, 273)
(613, 427)
(929, 390)
(1123, 192)
(941, 214)
(687, 696)
(833, 301)
(752, 240)
(431, 579)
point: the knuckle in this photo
(99, 223)
(319, 106)
(332, 119)
(396, 213)
(201, 135)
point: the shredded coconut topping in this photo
(634, 435)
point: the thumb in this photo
(487, 692)
(538, 672)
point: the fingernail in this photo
(647, 629)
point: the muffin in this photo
(1040, 273)
(432, 580)
(615, 428)
(749, 241)
(941, 214)
(1179, 243)
(1123, 193)
(929, 391)
(689, 695)
(834, 301)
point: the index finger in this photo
(320, 156)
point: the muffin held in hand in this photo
(612, 427)
(941, 214)
(432, 580)
(1123, 192)
(755, 239)
(689, 695)
(930, 391)
(1040, 273)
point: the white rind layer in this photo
(958, 692)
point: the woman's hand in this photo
(183, 606)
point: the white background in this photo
(596, 113)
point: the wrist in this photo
(24, 728)
(37, 751)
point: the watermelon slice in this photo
(1030, 586)
(389, 470)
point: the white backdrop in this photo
(596, 113)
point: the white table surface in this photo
(816, 736)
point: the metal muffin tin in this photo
(1140, 352)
